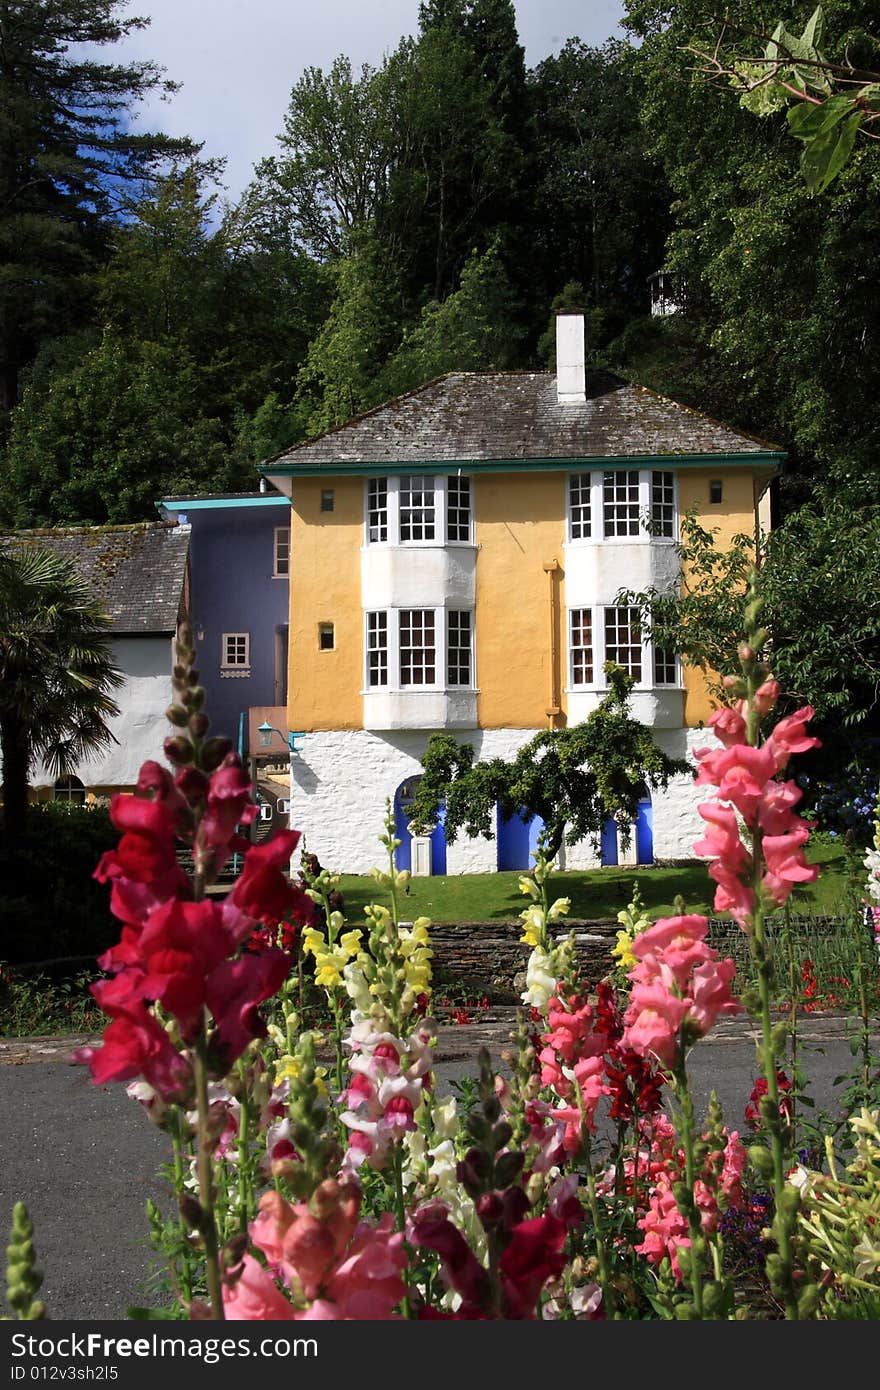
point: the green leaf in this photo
(151, 1314)
(807, 120)
(826, 154)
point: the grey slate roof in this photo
(138, 572)
(516, 416)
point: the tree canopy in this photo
(57, 672)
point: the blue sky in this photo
(239, 59)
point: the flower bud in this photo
(191, 1210)
(176, 714)
(761, 1160)
(213, 753)
(508, 1167)
(178, 750)
(234, 1250)
(746, 655)
(490, 1209)
(198, 725)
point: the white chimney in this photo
(570, 357)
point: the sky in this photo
(239, 59)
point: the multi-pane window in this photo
(458, 647)
(428, 648)
(236, 649)
(458, 509)
(377, 509)
(623, 640)
(579, 506)
(416, 509)
(620, 503)
(418, 651)
(581, 646)
(665, 667)
(662, 504)
(327, 499)
(377, 649)
(281, 564)
(419, 510)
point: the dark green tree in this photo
(601, 206)
(781, 332)
(66, 150)
(574, 778)
(56, 672)
(819, 578)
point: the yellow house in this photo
(455, 556)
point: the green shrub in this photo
(50, 904)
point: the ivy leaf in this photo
(826, 154)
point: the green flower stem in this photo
(608, 1299)
(178, 1142)
(685, 1129)
(400, 1209)
(246, 1204)
(207, 1221)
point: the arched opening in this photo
(426, 854)
(70, 790)
(611, 851)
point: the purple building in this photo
(240, 562)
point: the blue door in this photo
(645, 832)
(608, 848)
(403, 799)
(517, 841)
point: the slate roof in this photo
(516, 416)
(138, 572)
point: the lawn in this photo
(594, 893)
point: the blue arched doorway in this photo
(517, 841)
(403, 799)
(644, 836)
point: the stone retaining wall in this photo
(485, 958)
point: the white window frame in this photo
(438, 485)
(279, 545)
(392, 683)
(376, 625)
(453, 619)
(598, 535)
(574, 650)
(648, 679)
(663, 656)
(226, 639)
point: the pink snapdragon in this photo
(332, 1265)
(680, 988)
(388, 1078)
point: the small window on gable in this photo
(236, 655)
(716, 490)
(281, 568)
(327, 499)
(326, 638)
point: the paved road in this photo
(85, 1158)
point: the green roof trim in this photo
(764, 458)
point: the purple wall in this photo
(233, 590)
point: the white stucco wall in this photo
(340, 782)
(140, 728)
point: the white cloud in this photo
(237, 60)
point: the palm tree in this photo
(56, 672)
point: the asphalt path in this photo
(85, 1158)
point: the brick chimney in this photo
(570, 356)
